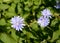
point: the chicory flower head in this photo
(17, 22)
(46, 13)
(43, 21)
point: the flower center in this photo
(17, 23)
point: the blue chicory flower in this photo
(43, 21)
(46, 13)
(17, 22)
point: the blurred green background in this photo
(30, 10)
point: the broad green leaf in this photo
(34, 26)
(7, 38)
(20, 40)
(9, 14)
(19, 8)
(29, 34)
(58, 41)
(4, 6)
(24, 31)
(42, 7)
(16, 1)
(37, 2)
(44, 41)
(39, 15)
(29, 3)
(13, 34)
(27, 8)
(25, 15)
(35, 7)
(12, 8)
(0, 1)
(2, 22)
(56, 35)
(53, 23)
(59, 27)
(7, 0)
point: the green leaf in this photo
(35, 7)
(7, 1)
(16, 1)
(28, 3)
(27, 8)
(44, 41)
(37, 2)
(19, 8)
(29, 34)
(56, 35)
(4, 6)
(38, 15)
(2, 21)
(34, 26)
(12, 8)
(59, 27)
(58, 41)
(25, 15)
(0, 1)
(7, 38)
(20, 40)
(9, 14)
(13, 34)
(53, 23)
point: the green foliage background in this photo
(30, 10)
